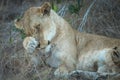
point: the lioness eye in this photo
(37, 27)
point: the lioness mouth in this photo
(49, 42)
(38, 46)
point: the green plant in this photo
(59, 1)
(74, 8)
(22, 33)
(54, 6)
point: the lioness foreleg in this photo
(68, 64)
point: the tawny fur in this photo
(70, 49)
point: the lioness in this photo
(70, 49)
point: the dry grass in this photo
(103, 18)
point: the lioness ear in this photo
(46, 7)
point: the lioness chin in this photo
(70, 50)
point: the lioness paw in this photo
(30, 44)
(61, 72)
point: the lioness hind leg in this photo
(116, 56)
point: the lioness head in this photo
(37, 22)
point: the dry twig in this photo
(84, 20)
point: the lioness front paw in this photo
(61, 72)
(30, 44)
